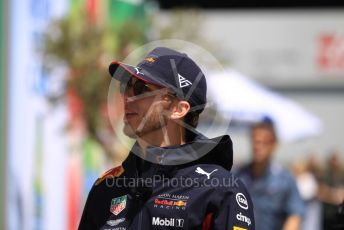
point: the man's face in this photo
(145, 108)
(263, 144)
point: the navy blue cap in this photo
(171, 69)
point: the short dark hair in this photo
(191, 119)
(265, 125)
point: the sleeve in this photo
(294, 203)
(235, 211)
(87, 222)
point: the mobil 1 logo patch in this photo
(241, 200)
(168, 222)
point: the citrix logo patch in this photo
(243, 218)
(168, 222)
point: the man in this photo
(277, 203)
(174, 177)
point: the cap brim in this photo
(122, 72)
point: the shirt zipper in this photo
(140, 215)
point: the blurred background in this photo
(279, 59)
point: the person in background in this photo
(308, 187)
(276, 199)
(331, 189)
(339, 222)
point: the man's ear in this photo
(179, 110)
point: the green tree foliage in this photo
(85, 46)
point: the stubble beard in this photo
(152, 121)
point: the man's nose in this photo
(128, 93)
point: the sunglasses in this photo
(139, 87)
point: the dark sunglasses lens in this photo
(124, 86)
(140, 87)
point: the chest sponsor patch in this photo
(112, 173)
(241, 200)
(115, 222)
(238, 228)
(243, 218)
(199, 170)
(118, 204)
(171, 201)
(167, 222)
(117, 228)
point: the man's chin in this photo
(129, 132)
